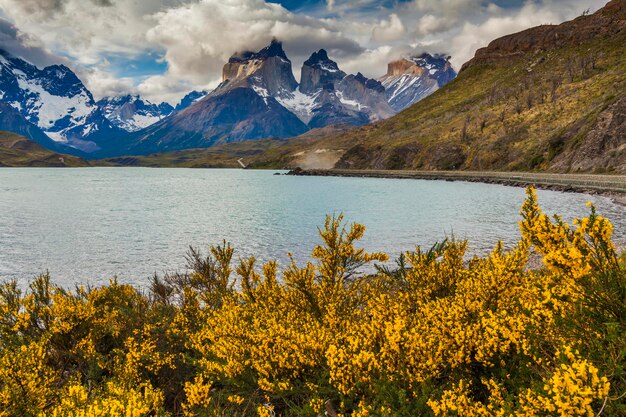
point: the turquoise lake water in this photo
(86, 225)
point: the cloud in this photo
(431, 24)
(198, 38)
(195, 37)
(26, 46)
(86, 29)
(389, 30)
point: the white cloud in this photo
(196, 37)
(86, 29)
(431, 24)
(389, 30)
(27, 46)
(102, 83)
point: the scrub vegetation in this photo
(438, 334)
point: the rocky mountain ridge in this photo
(55, 101)
(549, 98)
(132, 113)
(408, 80)
(259, 97)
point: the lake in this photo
(86, 225)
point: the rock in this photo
(605, 22)
(409, 80)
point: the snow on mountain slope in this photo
(55, 100)
(327, 95)
(133, 113)
(408, 80)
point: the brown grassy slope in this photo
(18, 151)
(266, 153)
(551, 98)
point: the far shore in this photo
(612, 186)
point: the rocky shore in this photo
(613, 186)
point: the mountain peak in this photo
(274, 49)
(189, 99)
(130, 112)
(319, 72)
(412, 78)
(317, 57)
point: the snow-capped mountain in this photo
(54, 100)
(189, 99)
(244, 106)
(408, 80)
(260, 98)
(327, 95)
(133, 113)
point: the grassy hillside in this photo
(267, 153)
(557, 108)
(18, 151)
(551, 98)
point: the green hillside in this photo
(18, 151)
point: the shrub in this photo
(440, 334)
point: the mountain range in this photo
(259, 97)
(549, 98)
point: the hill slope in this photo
(550, 98)
(18, 151)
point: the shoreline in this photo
(611, 186)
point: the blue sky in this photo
(162, 49)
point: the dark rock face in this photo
(189, 99)
(366, 94)
(605, 22)
(409, 80)
(319, 73)
(274, 49)
(331, 112)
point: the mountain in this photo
(328, 96)
(243, 107)
(132, 113)
(19, 151)
(189, 99)
(550, 98)
(408, 80)
(12, 120)
(56, 101)
(258, 98)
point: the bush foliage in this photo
(440, 334)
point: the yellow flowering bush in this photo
(346, 334)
